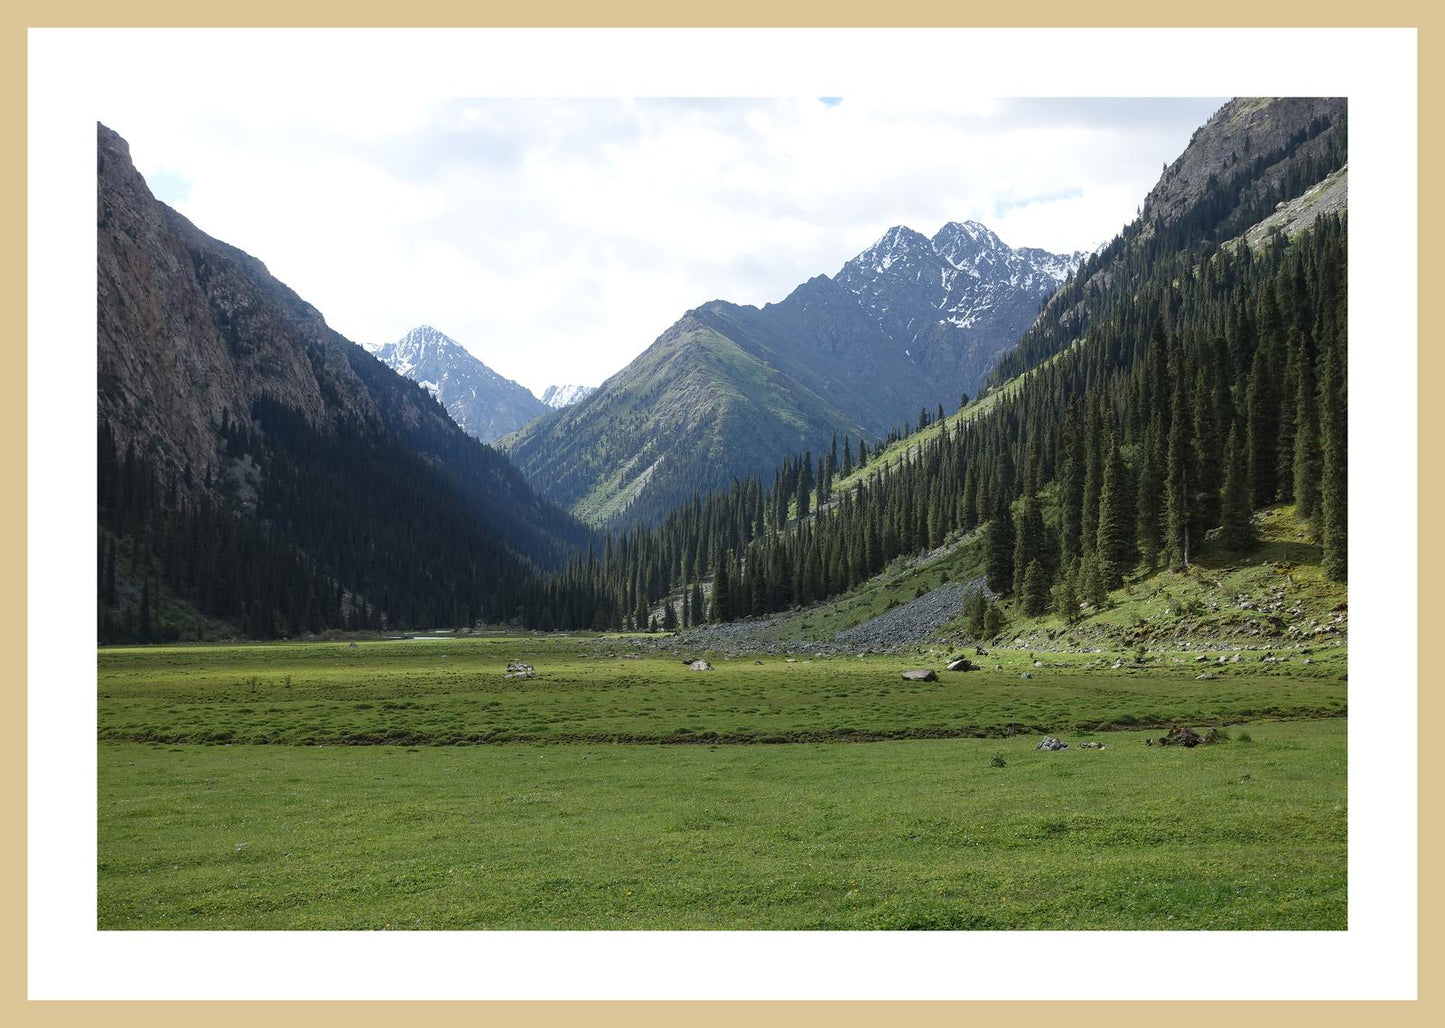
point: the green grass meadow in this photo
(228, 800)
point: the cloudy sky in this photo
(556, 239)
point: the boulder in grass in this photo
(923, 674)
(1050, 743)
(963, 664)
(518, 667)
(700, 665)
(1187, 737)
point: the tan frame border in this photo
(26, 14)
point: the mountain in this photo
(908, 325)
(559, 396)
(956, 301)
(1176, 427)
(1255, 162)
(482, 402)
(257, 468)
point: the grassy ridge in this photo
(456, 691)
(924, 834)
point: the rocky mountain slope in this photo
(223, 394)
(482, 402)
(1253, 158)
(730, 390)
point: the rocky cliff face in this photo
(190, 329)
(191, 333)
(1240, 132)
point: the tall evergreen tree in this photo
(1334, 533)
(1035, 590)
(1116, 521)
(1177, 487)
(1236, 531)
(1031, 543)
(1150, 499)
(1308, 455)
(999, 547)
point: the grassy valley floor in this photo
(563, 828)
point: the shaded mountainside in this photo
(482, 402)
(731, 390)
(269, 471)
(686, 416)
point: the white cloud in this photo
(558, 238)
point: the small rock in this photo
(351, 646)
(519, 667)
(1038, 663)
(963, 664)
(1026, 675)
(700, 665)
(1208, 676)
(923, 674)
(1050, 743)
(1092, 745)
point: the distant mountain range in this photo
(730, 390)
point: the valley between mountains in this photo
(965, 586)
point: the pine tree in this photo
(1150, 499)
(1065, 594)
(721, 591)
(1116, 521)
(1035, 590)
(994, 621)
(1262, 438)
(1334, 511)
(999, 547)
(1177, 494)
(977, 607)
(1031, 543)
(1308, 458)
(1236, 532)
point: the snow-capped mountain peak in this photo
(895, 246)
(559, 396)
(924, 292)
(482, 402)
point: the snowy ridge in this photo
(559, 396)
(965, 273)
